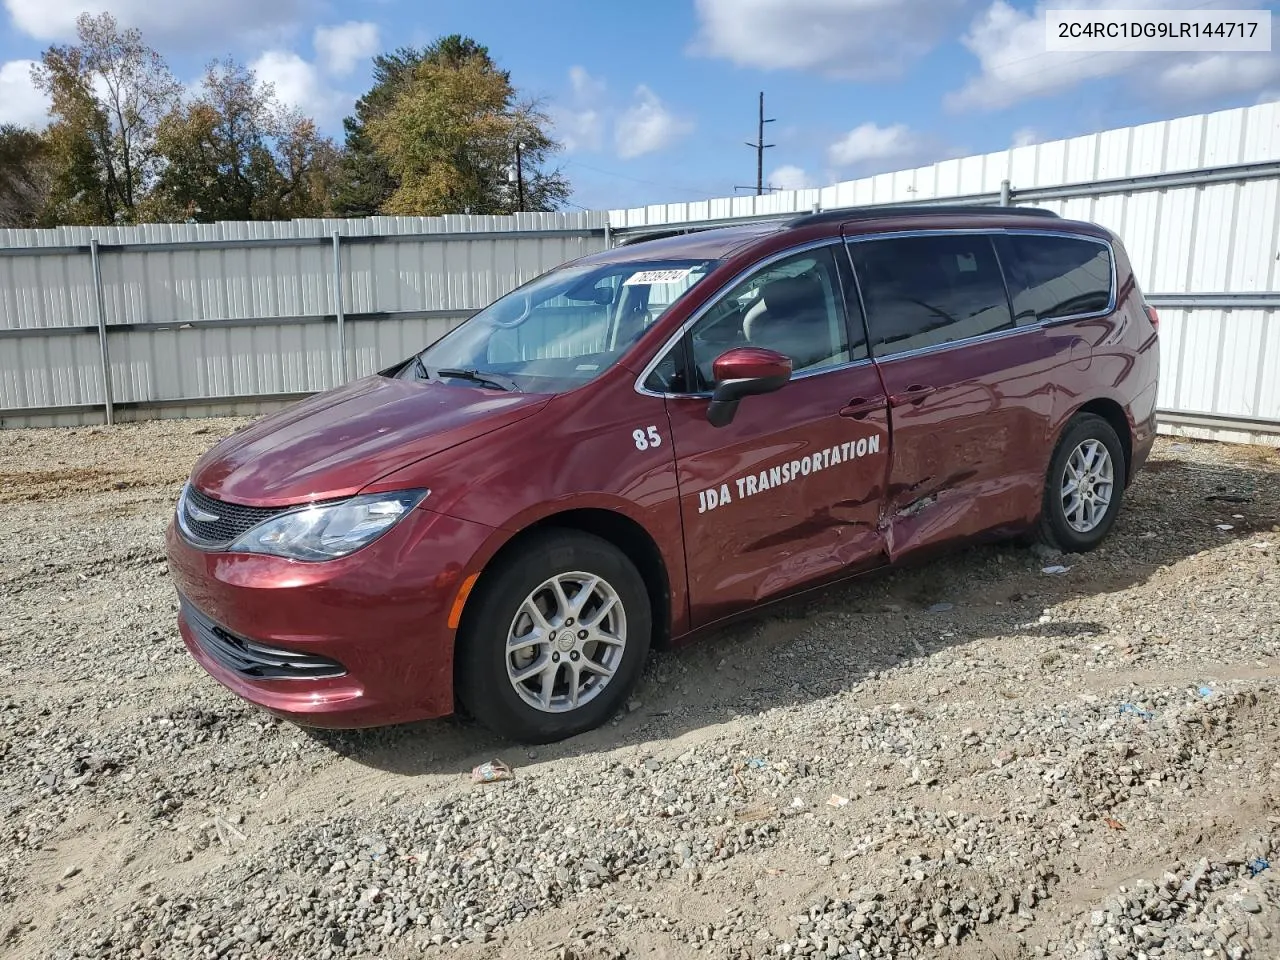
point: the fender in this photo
(672, 561)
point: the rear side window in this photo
(1055, 277)
(925, 291)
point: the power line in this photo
(701, 192)
(760, 146)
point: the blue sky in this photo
(655, 100)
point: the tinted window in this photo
(1051, 277)
(924, 291)
(794, 306)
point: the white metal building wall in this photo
(1196, 201)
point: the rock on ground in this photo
(1077, 764)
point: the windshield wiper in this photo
(420, 368)
(476, 376)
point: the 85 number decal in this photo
(646, 437)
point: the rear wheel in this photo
(555, 637)
(1084, 486)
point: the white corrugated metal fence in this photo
(238, 317)
(1197, 203)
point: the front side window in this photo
(561, 330)
(793, 306)
(1055, 277)
(925, 291)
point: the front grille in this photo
(232, 519)
(253, 660)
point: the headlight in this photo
(328, 531)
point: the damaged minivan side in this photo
(645, 442)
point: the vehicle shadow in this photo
(832, 640)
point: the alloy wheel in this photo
(1087, 485)
(566, 641)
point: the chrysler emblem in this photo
(203, 516)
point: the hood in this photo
(333, 444)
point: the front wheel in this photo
(555, 637)
(1084, 486)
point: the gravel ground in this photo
(971, 758)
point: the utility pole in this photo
(519, 179)
(760, 147)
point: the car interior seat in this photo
(792, 318)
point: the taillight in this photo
(1152, 316)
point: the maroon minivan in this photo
(647, 441)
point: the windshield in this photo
(560, 330)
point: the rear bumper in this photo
(1144, 439)
(364, 641)
(1143, 413)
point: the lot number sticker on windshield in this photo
(645, 277)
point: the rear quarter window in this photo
(1051, 278)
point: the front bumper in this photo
(379, 615)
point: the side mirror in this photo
(744, 372)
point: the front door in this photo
(789, 493)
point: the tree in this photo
(449, 137)
(76, 191)
(306, 166)
(214, 149)
(233, 153)
(24, 176)
(364, 180)
(108, 93)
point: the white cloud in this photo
(585, 87)
(579, 130)
(855, 39)
(20, 101)
(300, 84)
(647, 126)
(1026, 136)
(871, 143)
(187, 23)
(790, 177)
(581, 121)
(340, 49)
(587, 118)
(1015, 66)
(1010, 47)
(1218, 75)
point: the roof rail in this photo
(911, 210)
(627, 240)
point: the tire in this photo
(1083, 526)
(491, 681)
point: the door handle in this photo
(859, 407)
(914, 394)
